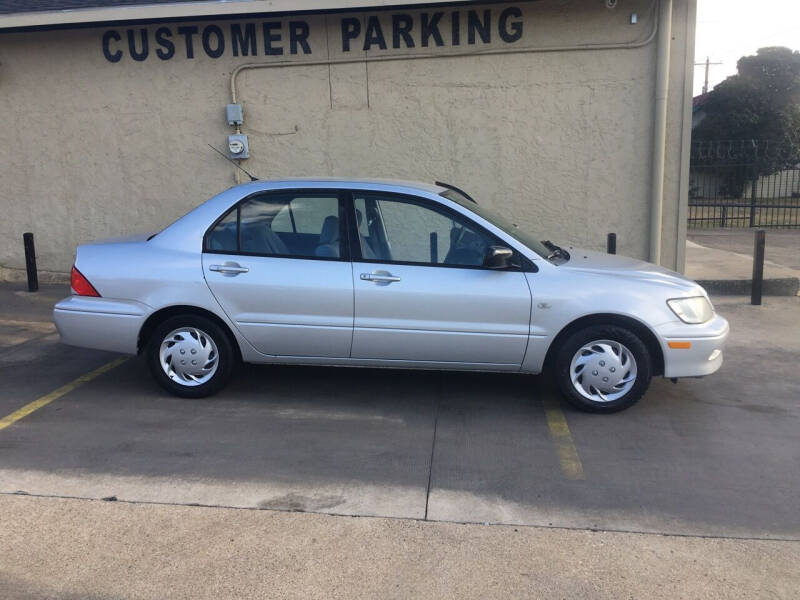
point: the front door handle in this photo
(228, 269)
(382, 277)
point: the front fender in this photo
(561, 299)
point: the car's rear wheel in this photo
(603, 368)
(190, 356)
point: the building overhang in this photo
(82, 17)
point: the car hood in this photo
(623, 267)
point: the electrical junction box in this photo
(234, 114)
(237, 146)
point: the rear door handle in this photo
(228, 269)
(379, 277)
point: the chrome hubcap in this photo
(189, 356)
(603, 371)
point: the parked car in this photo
(383, 274)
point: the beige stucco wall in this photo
(559, 141)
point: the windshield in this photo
(531, 241)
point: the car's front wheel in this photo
(190, 356)
(603, 368)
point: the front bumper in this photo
(704, 354)
(100, 323)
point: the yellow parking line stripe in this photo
(562, 438)
(64, 389)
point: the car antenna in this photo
(235, 164)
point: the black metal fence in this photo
(743, 184)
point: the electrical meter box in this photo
(237, 146)
(234, 114)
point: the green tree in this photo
(758, 109)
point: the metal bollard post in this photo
(758, 267)
(611, 243)
(30, 262)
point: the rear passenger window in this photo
(223, 237)
(305, 215)
(292, 224)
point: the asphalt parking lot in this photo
(718, 456)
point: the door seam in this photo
(530, 322)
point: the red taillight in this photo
(80, 285)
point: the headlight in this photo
(692, 310)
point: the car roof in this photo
(266, 184)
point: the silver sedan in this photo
(383, 274)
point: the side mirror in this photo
(498, 257)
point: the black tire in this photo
(225, 356)
(573, 343)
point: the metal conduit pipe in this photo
(686, 142)
(346, 61)
(658, 15)
(663, 49)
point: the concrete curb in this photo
(785, 286)
(13, 275)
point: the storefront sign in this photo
(383, 32)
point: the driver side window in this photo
(394, 229)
